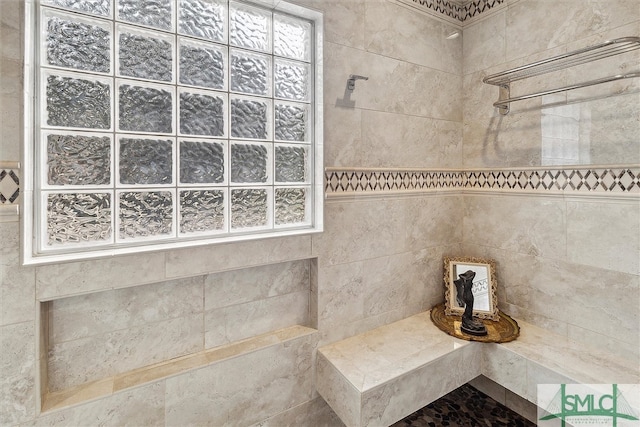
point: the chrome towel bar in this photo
(581, 56)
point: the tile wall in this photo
(379, 259)
(570, 263)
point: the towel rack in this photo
(581, 56)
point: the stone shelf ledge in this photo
(383, 375)
(169, 368)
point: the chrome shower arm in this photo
(351, 82)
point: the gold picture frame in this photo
(484, 286)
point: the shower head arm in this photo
(351, 82)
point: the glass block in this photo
(291, 122)
(206, 19)
(249, 118)
(94, 7)
(250, 73)
(201, 162)
(78, 217)
(291, 37)
(202, 65)
(145, 161)
(291, 205)
(145, 214)
(201, 114)
(201, 211)
(76, 43)
(249, 27)
(249, 163)
(291, 163)
(249, 208)
(292, 80)
(145, 55)
(78, 102)
(150, 13)
(78, 160)
(145, 109)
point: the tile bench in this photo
(381, 376)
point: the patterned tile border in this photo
(589, 180)
(9, 190)
(457, 12)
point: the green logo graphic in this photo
(587, 406)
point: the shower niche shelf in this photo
(560, 62)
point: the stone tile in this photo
(315, 413)
(566, 292)
(343, 21)
(393, 282)
(433, 221)
(341, 296)
(592, 226)
(504, 141)
(104, 312)
(490, 388)
(11, 75)
(223, 257)
(477, 105)
(342, 148)
(18, 368)
(444, 89)
(628, 349)
(75, 362)
(538, 374)
(505, 368)
(339, 63)
(531, 28)
(390, 402)
(399, 32)
(535, 227)
(11, 123)
(426, 142)
(143, 406)
(60, 280)
(240, 321)
(243, 390)
(12, 17)
(372, 228)
(17, 283)
(252, 284)
(80, 394)
(484, 43)
(521, 406)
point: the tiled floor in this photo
(464, 407)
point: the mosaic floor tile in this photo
(464, 407)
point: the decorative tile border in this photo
(568, 181)
(455, 11)
(9, 190)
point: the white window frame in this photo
(34, 210)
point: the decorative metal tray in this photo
(504, 330)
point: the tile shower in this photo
(379, 258)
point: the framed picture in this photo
(485, 302)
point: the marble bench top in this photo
(377, 356)
(380, 376)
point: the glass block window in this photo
(168, 123)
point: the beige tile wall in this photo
(103, 334)
(379, 259)
(569, 264)
(582, 281)
(606, 125)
